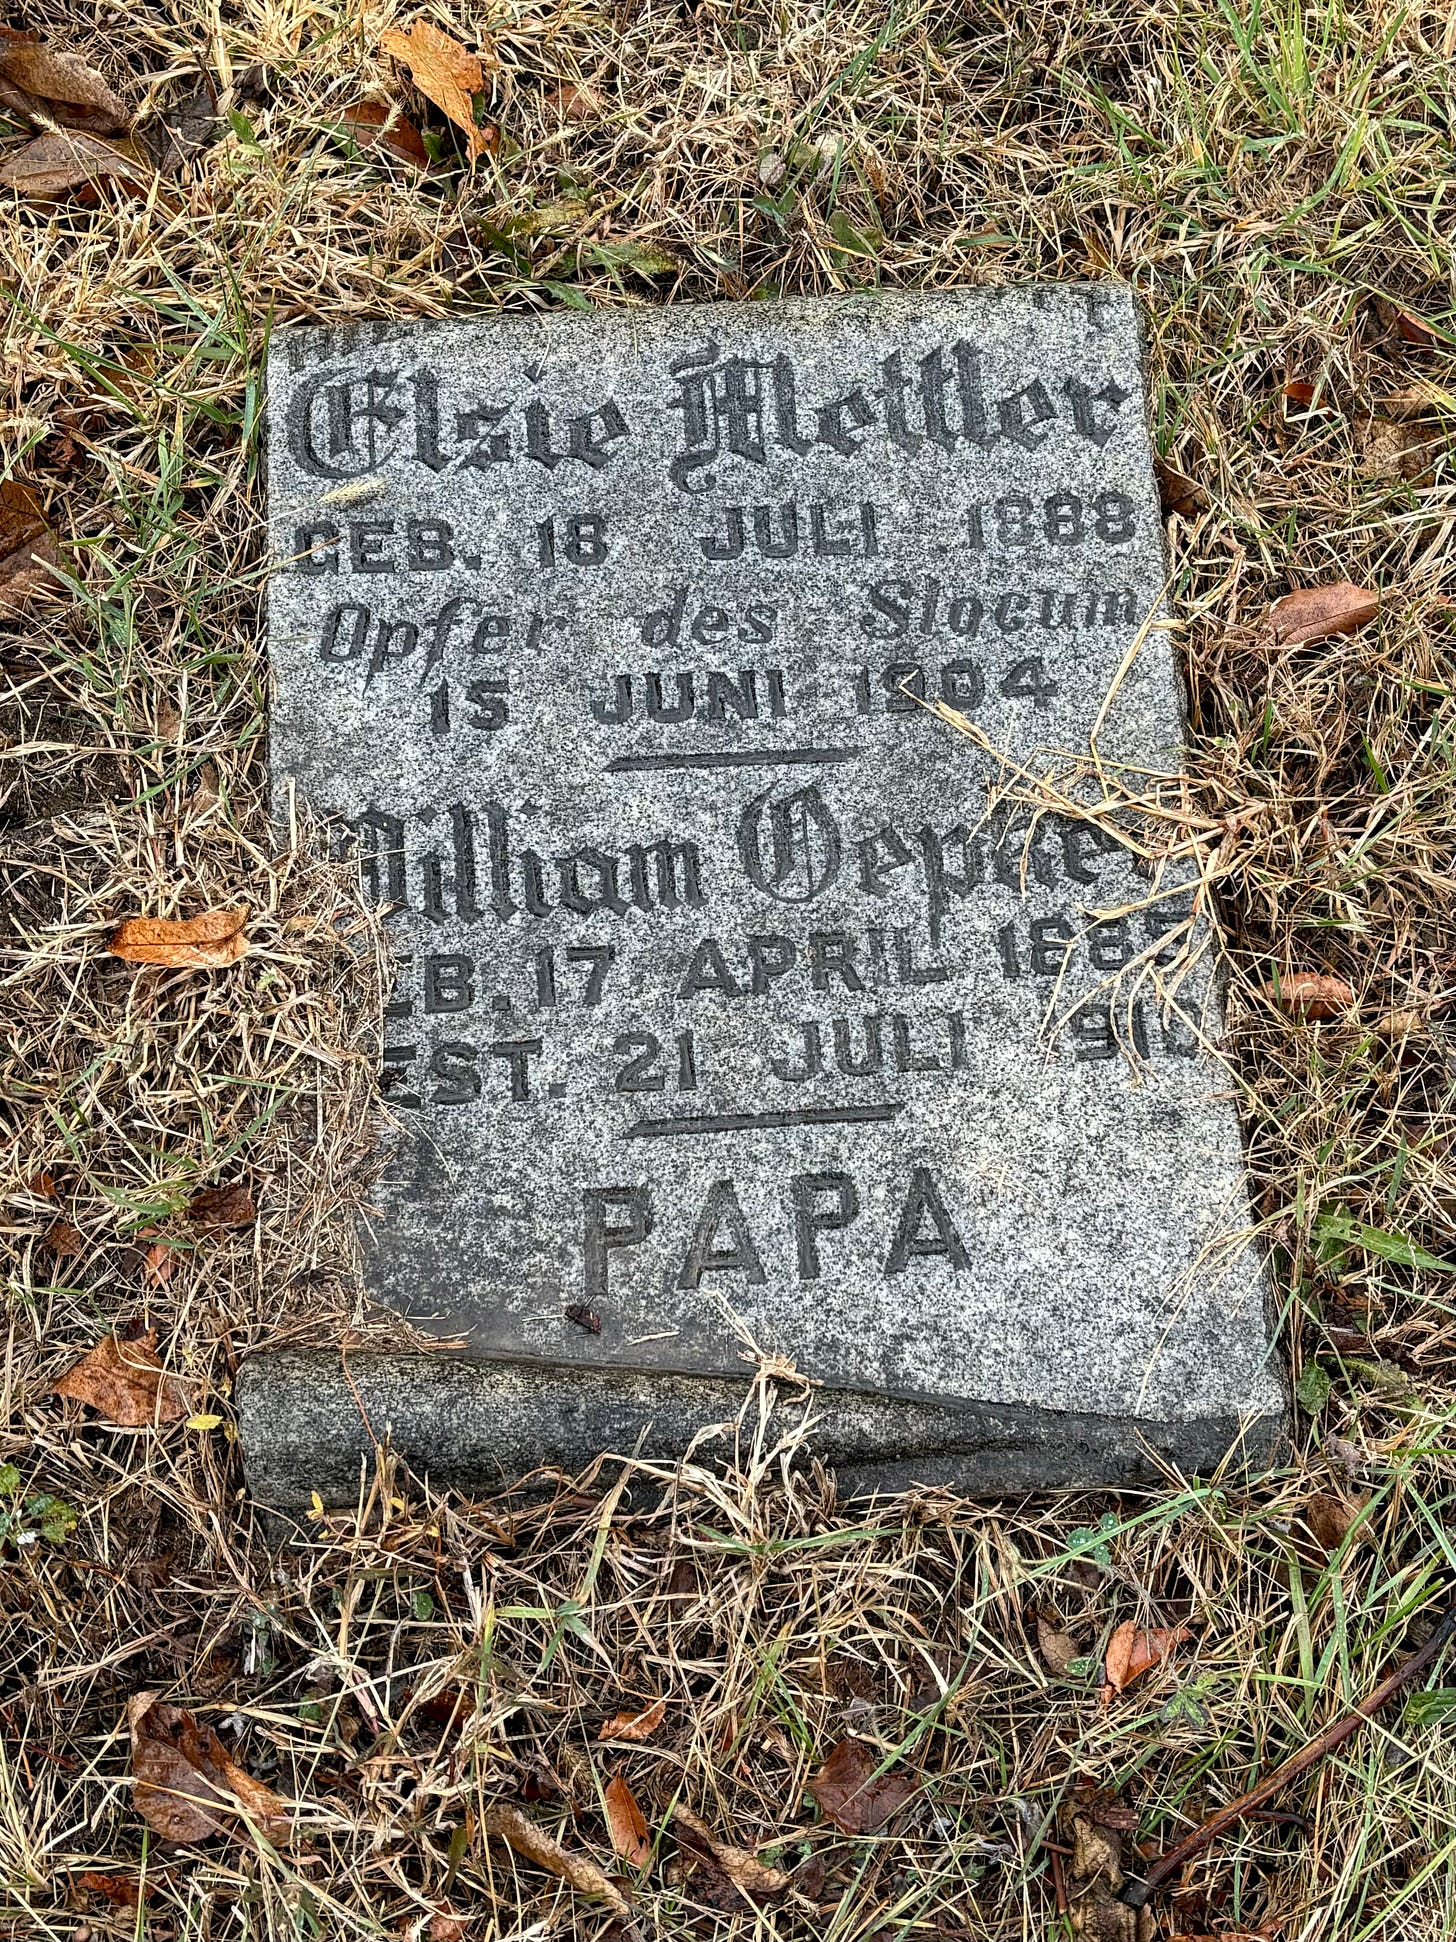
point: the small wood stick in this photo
(1059, 1882)
(1138, 1893)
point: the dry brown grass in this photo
(1277, 181)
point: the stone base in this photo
(481, 1426)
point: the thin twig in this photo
(1138, 1893)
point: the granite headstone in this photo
(726, 1012)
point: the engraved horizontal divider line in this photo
(677, 1124)
(767, 758)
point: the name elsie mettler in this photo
(344, 423)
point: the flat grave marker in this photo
(724, 1008)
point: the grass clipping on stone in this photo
(417, 1677)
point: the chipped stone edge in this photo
(467, 1424)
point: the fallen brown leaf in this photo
(540, 1783)
(576, 103)
(54, 164)
(226, 1206)
(188, 1785)
(1315, 993)
(124, 1890)
(59, 449)
(1415, 330)
(809, 1877)
(63, 1240)
(1348, 1341)
(634, 1726)
(158, 1263)
(1178, 493)
(1329, 1518)
(534, 1844)
(754, 1881)
(446, 74)
(176, 134)
(447, 1926)
(39, 82)
(682, 1580)
(1132, 1649)
(125, 1383)
(852, 1795)
(707, 1886)
(1312, 613)
(373, 125)
(207, 794)
(1299, 391)
(625, 1823)
(201, 943)
(27, 549)
(1107, 1813)
(1057, 1648)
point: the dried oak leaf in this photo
(201, 943)
(226, 1206)
(446, 74)
(27, 549)
(63, 1240)
(1313, 613)
(634, 1726)
(1315, 993)
(66, 159)
(188, 1785)
(534, 1844)
(375, 126)
(753, 1880)
(853, 1795)
(625, 1823)
(43, 83)
(125, 1383)
(1132, 1649)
